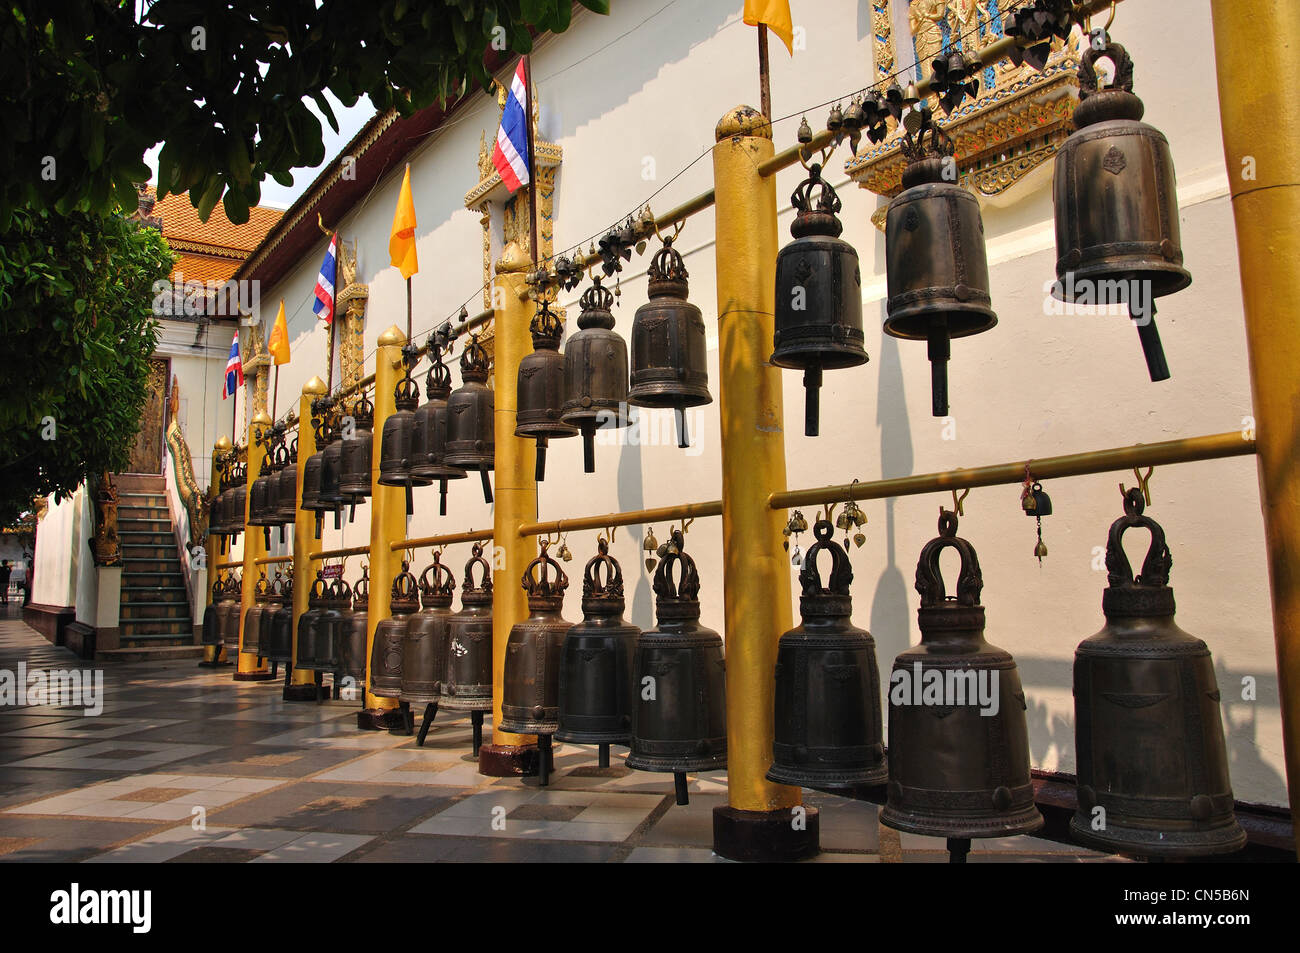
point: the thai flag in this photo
(510, 155)
(324, 305)
(234, 370)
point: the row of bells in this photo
(1117, 231)
(1152, 764)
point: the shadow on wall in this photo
(631, 496)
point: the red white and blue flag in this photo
(324, 305)
(510, 155)
(234, 370)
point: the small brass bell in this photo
(835, 120)
(390, 633)
(429, 433)
(471, 425)
(804, 135)
(818, 293)
(540, 389)
(1152, 764)
(595, 372)
(564, 552)
(669, 351)
(936, 267)
(424, 651)
(829, 732)
(468, 685)
(1117, 232)
(1038, 504)
(651, 546)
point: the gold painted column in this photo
(247, 669)
(387, 525)
(1260, 113)
(515, 495)
(212, 654)
(302, 684)
(760, 822)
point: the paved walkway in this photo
(184, 764)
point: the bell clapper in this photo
(442, 496)
(679, 786)
(487, 487)
(603, 756)
(812, 382)
(958, 848)
(1152, 349)
(939, 350)
(683, 435)
(539, 471)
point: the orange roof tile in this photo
(180, 220)
(203, 268)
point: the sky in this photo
(275, 195)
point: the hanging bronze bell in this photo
(468, 685)
(679, 721)
(1117, 234)
(829, 731)
(958, 739)
(336, 624)
(595, 372)
(818, 295)
(1152, 763)
(238, 500)
(309, 622)
(936, 268)
(596, 676)
(354, 479)
(212, 614)
(253, 617)
(669, 351)
(471, 425)
(397, 438)
(424, 651)
(260, 498)
(279, 647)
(386, 653)
(230, 614)
(286, 484)
(332, 498)
(530, 700)
(265, 620)
(352, 648)
(311, 470)
(429, 436)
(540, 392)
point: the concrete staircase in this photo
(155, 613)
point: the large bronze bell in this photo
(1153, 767)
(540, 392)
(334, 625)
(596, 674)
(212, 614)
(311, 471)
(237, 502)
(595, 372)
(818, 295)
(958, 740)
(265, 621)
(286, 485)
(261, 500)
(827, 712)
(468, 685)
(354, 481)
(386, 654)
(332, 499)
(253, 617)
(279, 647)
(229, 614)
(679, 721)
(471, 425)
(669, 351)
(352, 647)
(397, 438)
(530, 698)
(424, 652)
(309, 622)
(429, 437)
(936, 268)
(1117, 236)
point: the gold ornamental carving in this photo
(104, 547)
(351, 303)
(187, 487)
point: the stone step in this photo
(156, 552)
(177, 628)
(154, 501)
(143, 595)
(140, 565)
(145, 537)
(134, 611)
(134, 578)
(140, 520)
(149, 653)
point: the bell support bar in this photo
(446, 539)
(626, 518)
(233, 564)
(272, 560)
(1187, 450)
(337, 553)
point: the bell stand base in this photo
(430, 713)
(380, 719)
(296, 693)
(255, 676)
(766, 836)
(508, 761)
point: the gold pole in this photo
(515, 493)
(387, 522)
(248, 669)
(349, 551)
(659, 514)
(756, 592)
(446, 539)
(302, 684)
(212, 653)
(1260, 112)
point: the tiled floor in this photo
(184, 765)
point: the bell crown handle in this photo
(537, 583)
(319, 587)
(841, 573)
(485, 577)
(404, 583)
(929, 580)
(591, 584)
(341, 590)
(1158, 562)
(443, 582)
(688, 587)
(667, 264)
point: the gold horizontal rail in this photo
(230, 564)
(338, 553)
(272, 560)
(626, 518)
(1187, 450)
(445, 539)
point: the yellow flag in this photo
(401, 241)
(279, 346)
(776, 15)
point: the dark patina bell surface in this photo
(253, 617)
(395, 441)
(669, 350)
(279, 647)
(679, 720)
(354, 481)
(352, 648)
(386, 654)
(424, 652)
(530, 703)
(212, 615)
(238, 501)
(596, 659)
(1152, 764)
(595, 371)
(936, 266)
(334, 624)
(540, 390)
(1117, 234)
(468, 685)
(286, 484)
(471, 428)
(429, 436)
(818, 294)
(266, 621)
(260, 499)
(829, 732)
(331, 469)
(958, 739)
(228, 612)
(309, 622)
(311, 469)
